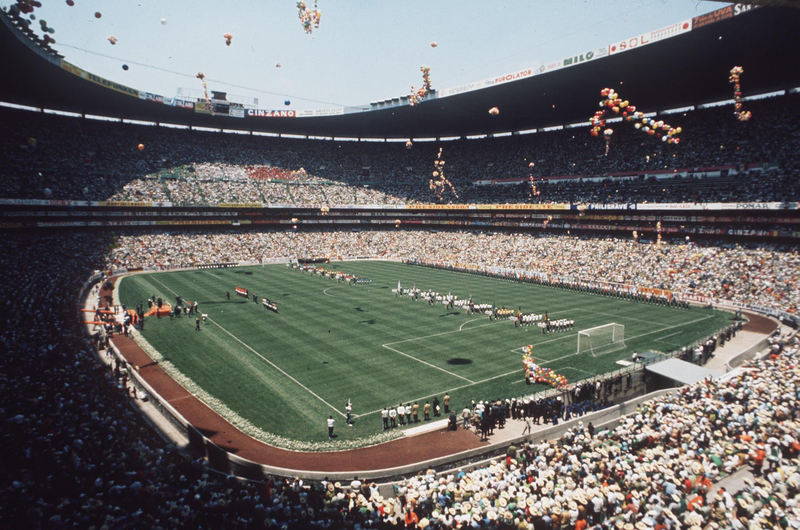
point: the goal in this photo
(602, 339)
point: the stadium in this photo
(561, 296)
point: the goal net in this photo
(602, 339)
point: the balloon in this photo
(70, 3)
(531, 164)
(294, 219)
(287, 102)
(433, 45)
(140, 147)
(97, 15)
(494, 111)
(48, 192)
(125, 67)
(409, 144)
(163, 21)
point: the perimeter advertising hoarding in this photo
(651, 37)
(83, 74)
(266, 113)
(721, 14)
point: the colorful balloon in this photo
(140, 147)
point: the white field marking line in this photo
(577, 370)
(427, 363)
(461, 327)
(670, 335)
(234, 337)
(627, 338)
(444, 333)
(325, 292)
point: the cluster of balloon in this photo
(409, 144)
(202, 77)
(26, 7)
(397, 223)
(439, 183)
(658, 230)
(534, 191)
(140, 147)
(736, 73)
(228, 38)
(324, 210)
(426, 77)
(547, 221)
(309, 17)
(635, 236)
(112, 39)
(494, 111)
(433, 44)
(418, 95)
(277, 65)
(613, 103)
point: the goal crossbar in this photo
(600, 340)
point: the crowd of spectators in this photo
(47, 156)
(655, 470)
(77, 455)
(764, 275)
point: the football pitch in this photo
(331, 342)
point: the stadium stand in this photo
(82, 159)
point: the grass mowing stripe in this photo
(427, 363)
(329, 337)
(276, 367)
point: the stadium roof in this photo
(681, 65)
(681, 371)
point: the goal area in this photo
(602, 339)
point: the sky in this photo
(363, 50)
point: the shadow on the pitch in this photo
(459, 361)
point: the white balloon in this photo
(163, 21)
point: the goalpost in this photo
(602, 339)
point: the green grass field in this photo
(286, 373)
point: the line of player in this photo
(339, 276)
(503, 313)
